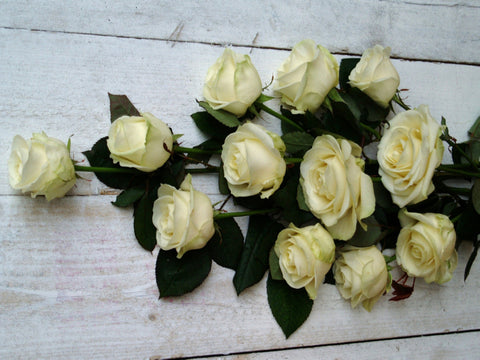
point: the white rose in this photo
(183, 218)
(138, 142)
(253, 161)
(41, 166)
(336, 189)
(232, 83)
(306, 76)
(375, 75)
(426, 246)
(408, 153)
(305, 256)
(361, 275)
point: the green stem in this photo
(376, 178)
(370, 130)
(212, 169)
(400, 102)
(187, 150)
(455, 219)
(242, 213)
(279, 116)
(453, 144)
(455, 170)
(99, 169)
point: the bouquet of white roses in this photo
(354, 173)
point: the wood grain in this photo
(445, 30)
(421, 348)
(58, 83)
(74, 283)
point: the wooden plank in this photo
(58, 83)
(458, 346)
(445, 30)
(74, 284)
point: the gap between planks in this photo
(174, 41)
(346, 343)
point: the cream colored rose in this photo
(183, 218)
(138, 142)
(375, 75)
(408, 153)
(336, 189)
(306, 76)
(232, 83)
(426, 246)
(305, 256)
(253, 161)
(361, 275)
(41, 166)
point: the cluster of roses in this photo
(335, 188)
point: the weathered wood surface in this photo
(73, 281)
(446, 30)
(75, 284)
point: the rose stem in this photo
(105, 169)
(453, 170)
(453, 144)
(400, 102)
(370, 130)
(242, 213)
(187, 150)
(280, 116)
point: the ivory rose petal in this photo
(183, 218)
(408, 154)
(336, 189)
(139, 142)
(305, 256)
(41, 166)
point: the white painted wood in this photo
(445, 30)
(74, 284)
(58, 83)
(452, 346)
(73, 281)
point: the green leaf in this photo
(363, 238)
(120, 105)
(263, 98)
(301, 199)
(145, 231)
(471, 259)
(226, 245)
(222, 182)
(261, 235)
(210, 126)
(334, 96)
(275, 271)
(222, 116)
(474, 131)
(210, 144)
(346, 67)
(291, 212)
(467, 226)
(290, 307)
(129, 196)
(99, 156)
(297, 141)
(254, 202)
(382, 195)
(176, 277)
(476, 195)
